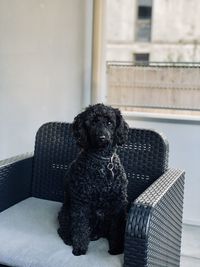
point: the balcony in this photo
(166, 98)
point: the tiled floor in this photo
(190, 250)
(189, 262)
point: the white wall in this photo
(44, 61)
(184, 145)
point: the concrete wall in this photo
(175, 31)
(184, 144)
(176, 21)
(121, 16)
(158, 52)
(43, 65)
(153, 87)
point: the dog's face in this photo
(100, 126)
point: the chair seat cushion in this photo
(28, 237)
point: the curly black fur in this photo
(96, 184)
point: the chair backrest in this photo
(144, 156)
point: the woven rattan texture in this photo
(15, 180)
(55, 149)
(144, 156)
(156, 218)
(164, 241)
(138, 255)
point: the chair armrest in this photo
(15, 180)
(154, 224)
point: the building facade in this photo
(153, 30)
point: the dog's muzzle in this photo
(100, 136)
(103, 139)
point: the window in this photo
(141, 58)
(143, 23)
(144, 12)
(150, 78)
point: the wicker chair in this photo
(154, 225)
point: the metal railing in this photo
(154, 85)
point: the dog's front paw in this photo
(79, 251)
(64, 237)
(67, 242)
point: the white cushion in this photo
(28, 237)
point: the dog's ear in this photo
(79, 130)
(121, 131)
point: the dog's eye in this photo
(109, 123)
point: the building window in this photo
(144, 12)
(143, 22)
(141, 58)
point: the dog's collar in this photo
(108, 160)
(110, 165)
(100, 157)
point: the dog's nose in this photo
(102, 137)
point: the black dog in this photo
(96, 184)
